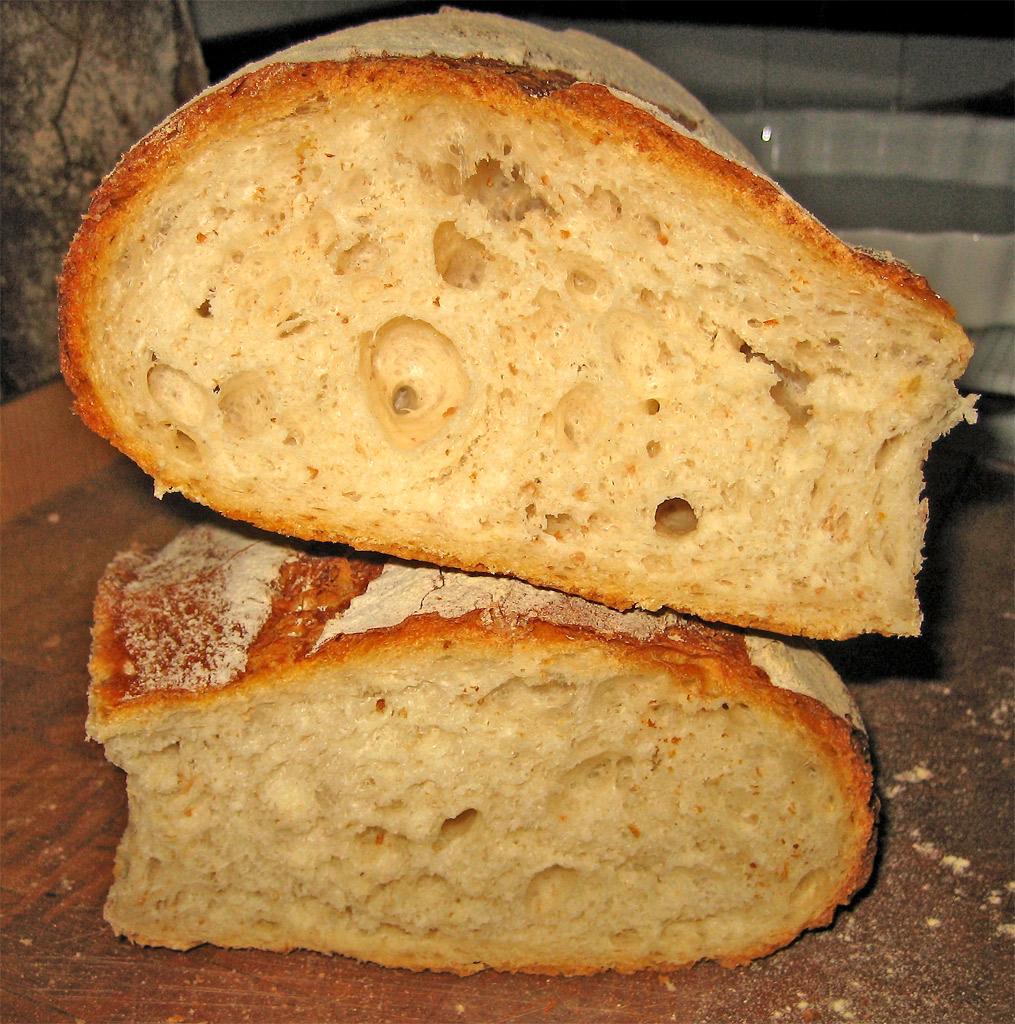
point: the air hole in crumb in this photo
(581, 282)
(245, 404)
(837, 525)
(804, 891)
(458, 826)
(415, 379)
(785, 397)
(186, 446)
(656, 229)
(653, 448)
(606, 201)
(675, 517)
(204, 310)
(459, 260)
(360, 255)
(292, 324)
(887, 451)
(651, 406)
(560, 526)
(404, 399)
(181, 398)
(579, 414)
(789, 391)
(553, 889)
(448, 179)
(506, 196)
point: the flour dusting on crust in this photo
(189, 614)
(402, 591)
(794, 666)
(191, 611)
(463, 35)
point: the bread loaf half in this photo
(460, 289)
(436, 770)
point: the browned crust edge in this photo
(591, 110)
(732, 675)
(714, 662)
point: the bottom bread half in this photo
(455, 795)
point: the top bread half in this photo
(464, 290)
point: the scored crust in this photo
(217, 608)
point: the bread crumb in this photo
(25, 942)
(933, 922)
(920, 773)
(229, 580)
(53, 517)
(1001, 714)
(1006, 930)
(958, 864)
(664, 980)
(926, 849)
(459, 1008)
(841, 1007)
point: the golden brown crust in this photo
(310, 590)
(592, 111)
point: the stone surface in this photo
(80, 83)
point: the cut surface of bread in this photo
(437, 770)
(493, 316)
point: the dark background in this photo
(984, 20)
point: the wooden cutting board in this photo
(929, 940)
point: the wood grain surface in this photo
(928, 941)
(44, 449)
